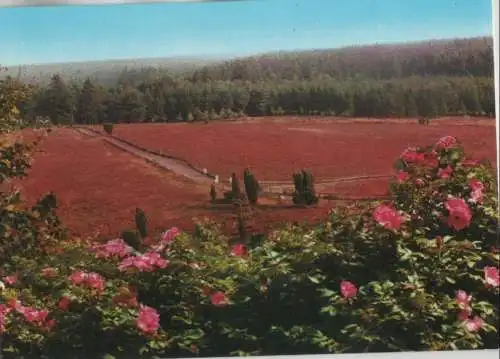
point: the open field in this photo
(98, 188)
(275, 149)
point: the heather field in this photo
(274, 149)
(99, 186)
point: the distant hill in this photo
(449, 57)
(105, 71)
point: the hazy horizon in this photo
(232, 57)
(223, 30)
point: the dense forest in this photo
(435, 78)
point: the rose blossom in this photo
(11, 279)
(64, 303)
(4, 310)
(411, 155)
(95, 281)
(34, 315)
(219, 299)
(420, 182)
(90, 280)
(491, 276)
(402, 176)
(148, 320)
(445, 172)
(169, 235)
(156, 260)
(477, 188)
(431, 160)
(459, 213)
(387, 216)
(464, 314)
(78, 277)
(348, 289)
(446, 142)
(113, 248)
(238, 250)
(463, 299)
(143, 263)
(474, 324)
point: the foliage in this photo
(416, 273)
(235, 187)
(132, 237)
(213, 193)
(252, 187)
(305, 192)
(12, 95)
(108, 127)
(141, 222)
(427, 80)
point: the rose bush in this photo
(417, 273)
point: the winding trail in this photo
(273, 189)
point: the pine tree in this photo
(58, 104)
(251, 186)
(235, 187)
(141, 222)
(88, 108)
(213, 193)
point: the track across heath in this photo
(183, 168)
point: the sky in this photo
(55, 34)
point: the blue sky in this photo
(81, 33)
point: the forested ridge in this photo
(434, 78)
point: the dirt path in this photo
(161, 161)
(271, 189)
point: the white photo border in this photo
(462, 354)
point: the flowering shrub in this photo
(417, 273)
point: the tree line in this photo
(398, 82)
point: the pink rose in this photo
(219, 299)
(387, 217)
(412, 156)
(459, 213)
(4, 311)
(446, 142)
(348, 289)
(143, 263)
(238, 250)
(95, 281)
(33, 315)
(474, 324)
(445, 172)
(476, 185)
(402, 176)
(148, 320)
(491, 276)
(169, 235)
(420, 182)
(78, 277)
(113, 248)
(463, 299)
(11, 279)
(64, 303)
(477, 189)
(464, 314)
(90, 280)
